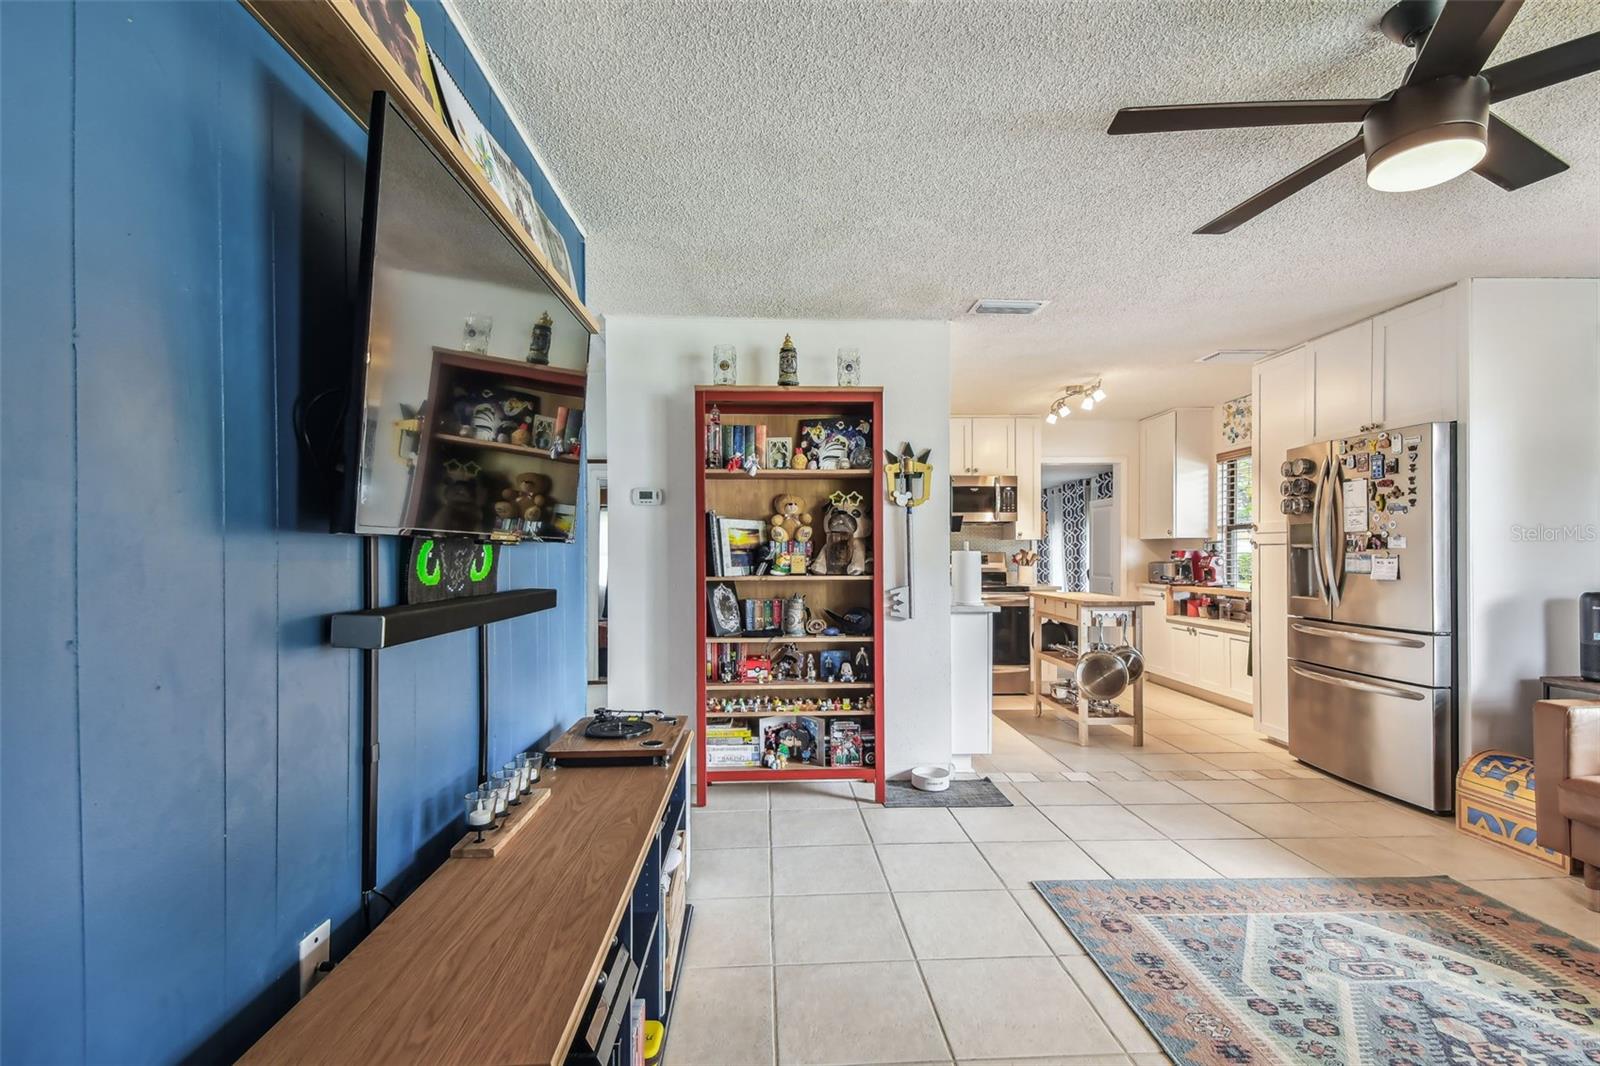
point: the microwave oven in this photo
(984, 499)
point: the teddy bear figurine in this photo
(845, 526)
(791, 518)
(527, 497)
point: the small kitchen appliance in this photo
(1170, 572)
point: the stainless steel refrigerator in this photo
(1372, 670)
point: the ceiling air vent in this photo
(1236, 356)
(1006, 307)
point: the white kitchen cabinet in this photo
(984, 446)
(1211, 659)
(1281, 396)
(1185, 645)
(1241, 685)
(960, 447)
(1030, 505)
(1155, 637)
(1414, 360)
(1342, 363)
(994, 449)
(1175, 474)
(1271, 621)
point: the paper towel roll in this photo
(966, 577)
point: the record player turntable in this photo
(619, 737)
(616, 725)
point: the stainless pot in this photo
(1102, 675)
(1132, 658)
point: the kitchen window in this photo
(1235, 521)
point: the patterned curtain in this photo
(1064, 558)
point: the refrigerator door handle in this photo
(1336, 537)
(1319, 535)
(1360, 686)
(1359, 638)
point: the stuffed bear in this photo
(845, 527)
(791, 517)
(461, 498)
(527, 496)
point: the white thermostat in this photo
(648, 497)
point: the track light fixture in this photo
(1086, 397)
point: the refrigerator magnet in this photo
(1397, 540)
(1377, 465)
(1358, 564)
(1386, 568)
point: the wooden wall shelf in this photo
(337, 47)
(384, 627)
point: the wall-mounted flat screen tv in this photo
(466, 406)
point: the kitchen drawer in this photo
(1417, 658)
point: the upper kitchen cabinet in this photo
(1175, 474)
(984, 446)
(1414, 360)
(1342, 365)
(1281, 400)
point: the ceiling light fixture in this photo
(1086, 396)
(1426, 134)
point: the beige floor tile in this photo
(730, 932)
(1381, 818)
(1013, 1008)
(1025, 764)
(1155, 1058)
(1229, 792)
(856, 927)
(1198, 743)
(1460, 856)
(1061, 793)
(1300, 790)
(1024, 777)
(730, 873)
(1240, 726)
(967, 925)
(1245, 760)
(1145, 858)
(1283, 820)
(1251, 858)
(1167, 761)
(796, 828)
(823, 871)
(1127, 792)
(935, 867)
(1046, 921)
(1557, 901)
(1112, 1008)
(1101, 823)
(1006, 823)
(723, 1017)
(1020, 864)
(1198, 822)
(855, 1012)
(912, 825)
(737, 796)
(793, 795)
(1092, 759)
(729, 829)
(1353, 857)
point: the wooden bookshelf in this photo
(740, 495)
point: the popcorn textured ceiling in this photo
(901, 159)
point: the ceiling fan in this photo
(1432, 128)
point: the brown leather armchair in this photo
(1566, 765)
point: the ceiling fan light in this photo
(1088, 404)
(1426, 134)
(1098, 395)
(1051, 417)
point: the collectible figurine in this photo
(811, 666)
(863, 665)
(790, 519)
(461, 498)
(788, 363)
(539, 346)
(845, 526)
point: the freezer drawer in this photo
(1417, 658)
(1395, 738)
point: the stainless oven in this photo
(984, 498)
(1013, 668)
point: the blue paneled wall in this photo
(180, 206)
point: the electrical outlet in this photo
(315, 951)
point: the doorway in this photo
(1082, 546)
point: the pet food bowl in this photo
(931, 778)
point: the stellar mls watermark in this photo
(1571, 533)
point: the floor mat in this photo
(980, 793)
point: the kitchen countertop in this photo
(974, 608)
(1226, 625)
(1091, 599)
(1214, 590)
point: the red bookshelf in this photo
(738, 495)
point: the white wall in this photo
(1084, 438)
(652, 365)
(1530, 457)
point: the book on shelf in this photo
(844, 742)
(739, 543)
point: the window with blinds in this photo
(1234, 519)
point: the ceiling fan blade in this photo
(1460, 42)
(1280, 190)
(1548, 66)
(1172, 118)
(1514, 159)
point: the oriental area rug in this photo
(1390, 971)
